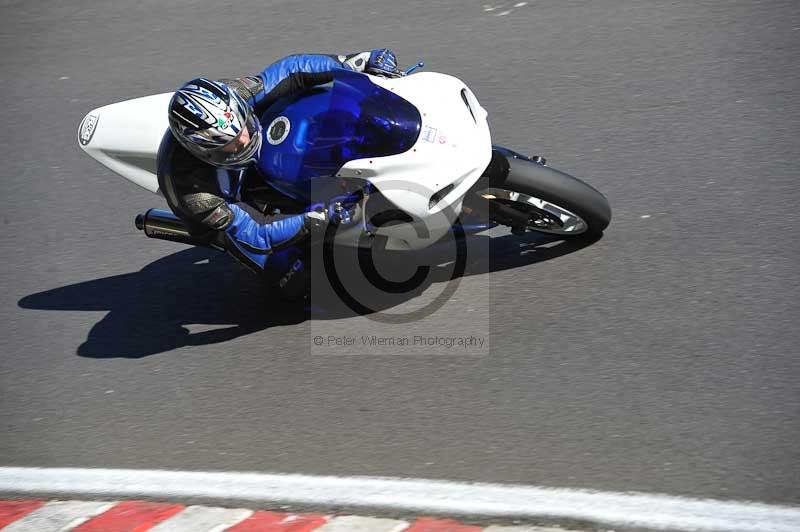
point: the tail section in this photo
(125, 136)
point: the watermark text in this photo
(447, 342)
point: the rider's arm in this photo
(250, 236)
(261, 236)
(294, 75)
(253, 238)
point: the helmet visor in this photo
(235, 154)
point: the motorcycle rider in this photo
(218, 132)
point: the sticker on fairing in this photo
(87, 129)
(428, 134)
(278, 130)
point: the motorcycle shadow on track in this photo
(154, 310)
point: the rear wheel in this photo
(528, 196)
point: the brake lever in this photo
(404, 73)
(413, 68)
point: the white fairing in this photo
(454, 148)
(125, 137)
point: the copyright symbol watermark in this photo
(318, 340)
(378, 277)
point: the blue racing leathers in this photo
(208, 199)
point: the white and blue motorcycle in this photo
(411, 154)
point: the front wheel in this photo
(529, 196)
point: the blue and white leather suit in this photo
(208, 199)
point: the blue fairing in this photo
(350, 119)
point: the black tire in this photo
(513, 172)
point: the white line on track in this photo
(625, 510)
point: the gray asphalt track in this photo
(662, 358)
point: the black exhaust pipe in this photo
(161, 224)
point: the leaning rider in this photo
(216, 124)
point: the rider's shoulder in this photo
(248, 87)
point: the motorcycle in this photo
(409, 156)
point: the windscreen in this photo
(353, 119)
(364, 120)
